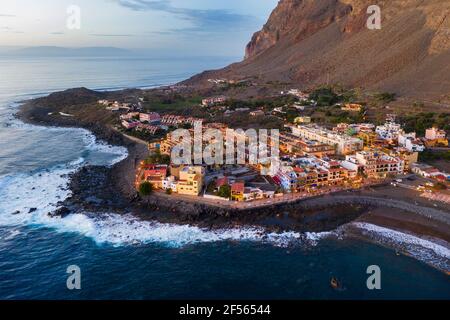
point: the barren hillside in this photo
(310, 42)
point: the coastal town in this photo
(314, 159)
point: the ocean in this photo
(123, 258)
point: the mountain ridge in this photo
(312, 42)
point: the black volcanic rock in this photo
(61, 212)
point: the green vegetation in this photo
(224, 192)
(420, 122)
(245, 121)
(158, 158)
(440, 186)
(385, 97)
(211, 187)
(167, 103)
(144, 135)
(146, 189)
(428, 156)
(334, 115)
(350, 96)
(325, 96)
(268, 103)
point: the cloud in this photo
(202, 20)
(7, 15)
(110, 35)
(10, 30)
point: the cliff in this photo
(310, 42)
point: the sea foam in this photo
(422, 249)
(123, 230)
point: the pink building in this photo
(214, 100)
(148, 128)
(151, 117)
(130, 124)
(435, 134)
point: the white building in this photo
(435, 134)
(344, 144)
(374, 164)
(170, 183)
(410, 142)
(389, 131)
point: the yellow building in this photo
(353, 107)
(191, 181)
(166, 146)
(237, 191)
(302, 120)
(368, 138)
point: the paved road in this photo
(427, 212)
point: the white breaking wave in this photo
(427, 251)
(11, 234)
(117, 153)
(27, 199)
(122, 230)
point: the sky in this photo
(194, 27)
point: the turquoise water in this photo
(121, 258)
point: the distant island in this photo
(52, 51)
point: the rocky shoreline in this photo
(99, 189)
(111, 190)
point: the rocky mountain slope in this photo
(310, 42)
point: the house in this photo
(104, 102)
(410, 142)
(297, 93)
(191, 180)
(129, 116)
(343, 144)
(208, 102)
(155, 174)
(147, 128)
(389, 131)
(435, 134)
(302, 120)
(237, 191)
(130, 124)
(152, 117)
(374, 164)
(257, 113)
(221, 182)
(435, 137)
(352, 107)
(268, 190)
(424, 170)
(172, 120)
(169, 183)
